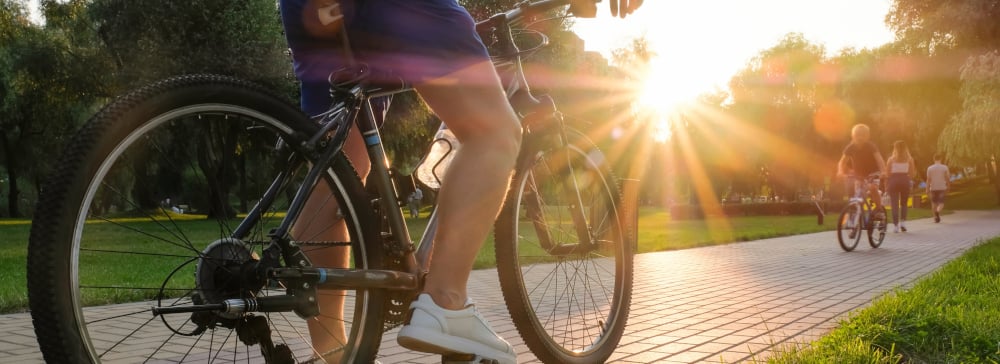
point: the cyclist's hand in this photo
(583, 8)
(622, 8)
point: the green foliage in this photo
(153, 39)
(44, 87)
(408, 131)
(779, 92)
(929, 26)
(971, 137)
(948, 317)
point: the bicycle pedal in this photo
(466, 359)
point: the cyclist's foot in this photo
(433, 329)
(879, 216)
(902, 226)
(851, 234)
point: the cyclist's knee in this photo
(499, 133)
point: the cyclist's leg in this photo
(313, 60)
(481, 118)
(874, 194)
(473, 104)
(327, 329)
(433, 44)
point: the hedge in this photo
(687, 212)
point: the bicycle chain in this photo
(322, 243)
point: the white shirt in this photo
(899, 167)
(937, 177)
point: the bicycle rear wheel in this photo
(568, 298)
(106, 244)
(876, 230)
(849, 227)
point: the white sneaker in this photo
(902, 226)
(433, 329)
(895, 228)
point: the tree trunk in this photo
(216, 158)
(144, 198)
(13, 192)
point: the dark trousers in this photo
(899, 193)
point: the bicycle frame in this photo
(354, 108)
(860, 196)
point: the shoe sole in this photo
(435, 342)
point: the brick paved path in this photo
(720, 303)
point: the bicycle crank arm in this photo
(237, 305)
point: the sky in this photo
(700, 44)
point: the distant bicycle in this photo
(860, 215)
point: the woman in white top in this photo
(901, 171)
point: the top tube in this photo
(859, 190)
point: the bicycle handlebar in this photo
(870, 176)
(522, 10)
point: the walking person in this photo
(901, 173)
(938, 183)
(413, 202)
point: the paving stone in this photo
(725, 303)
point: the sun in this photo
(668, 87)
(664, 93)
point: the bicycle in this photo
(113, 277)
(859, 215)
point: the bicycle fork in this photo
(549, 123)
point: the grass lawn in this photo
(657, 232)
(950, 316)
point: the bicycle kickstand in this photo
(466, 359)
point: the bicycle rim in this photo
(570, 306)
(876, 232)
(107, 246)
(849, 227)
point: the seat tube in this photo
(383, 183)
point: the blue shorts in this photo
(415, 40)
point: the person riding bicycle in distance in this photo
(433, 45)
(864, 159)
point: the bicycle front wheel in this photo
(564, 262)
(849, 227)
(147, 208)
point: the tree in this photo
(147, 40)
(971, 137)
(777, 95)
(152, 39)
(934, 38)
(42, 93)
(930, 26)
